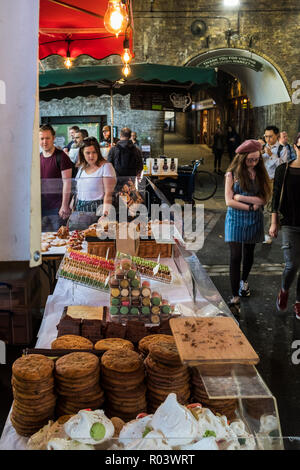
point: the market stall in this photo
(230, 385)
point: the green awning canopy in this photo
(97, 80)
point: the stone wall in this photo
(164, 36)
(147, 124)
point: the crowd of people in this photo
(95, 176)
(263, 173)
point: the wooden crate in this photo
(100, 248)
(151, 249)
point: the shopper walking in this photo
(233, 141)
(218, 150)
(285, 209)
(247, 189)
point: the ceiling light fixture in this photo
(231, 3)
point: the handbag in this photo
(281, 195)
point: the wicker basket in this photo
(151, 249)
(100, 248)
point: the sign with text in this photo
(213, 62)
(163, 100)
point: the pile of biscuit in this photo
(123, 381)
(165, 372)
(77, 377)
(221, 406)
(33, 391)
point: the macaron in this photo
(114, 282)
(146, 301)
(155, 310)
(135, 283)
(145, 310)
(146, 292)
(146, 284)
(125, 303)
(124, 292)
(126, 263)
(135, 292)
(155, 301)
(115, 292)
(115, 301)
(124, 310)
(134, 311)
(114, 310)
(131, 274)
(124, 283)
(155, 319)
(166, 309)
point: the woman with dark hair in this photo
(286, 207)
(233, 141)
(247, 189)
(96, 179)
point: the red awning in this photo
(61, 21)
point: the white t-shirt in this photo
(91, 187)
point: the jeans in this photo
(291, 253)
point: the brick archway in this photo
(263, 80)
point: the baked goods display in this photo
(62, 238)
(131, 298)
(77, 377)
(165, 373)
(86, 269)
(63, 232)
(122, 377)
(149, 268)
(33, 391)
(145, 342)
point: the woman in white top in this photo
(96, 179)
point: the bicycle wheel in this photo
(205, 185)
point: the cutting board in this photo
(217, 340)
(85, 312)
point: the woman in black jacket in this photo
(286, 207)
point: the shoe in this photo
(234, 306)
(282, 300)
(268, 240)
(297, 310)
(244, 290)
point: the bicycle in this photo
(202, 185)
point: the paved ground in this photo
(270, 334)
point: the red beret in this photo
(249, 146)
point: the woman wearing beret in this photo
(247, 189)
(286, 206)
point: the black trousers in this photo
(240, 253)
(218, 157)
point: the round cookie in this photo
(33, 367)
(77, 364)
(121, 360)
(145, 342)
(71, 342)
(165, 352)
(113, 343)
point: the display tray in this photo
(216, 340)
(86, 270)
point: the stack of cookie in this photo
(71, 342)
(123, 381)
(165, 374)
(199, 394)
(77, 383)
(33, 390)
(113, 343)
(145, 342)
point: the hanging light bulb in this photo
(116, 17)
(126, 70)
(126, 56)
(68, 62)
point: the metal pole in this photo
(112, 115)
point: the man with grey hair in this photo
(125, 157)
(285, 149)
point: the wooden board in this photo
(216, 340)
